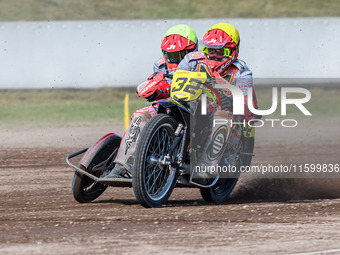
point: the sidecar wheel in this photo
(98, 159)
(152, 183)
(84, 188)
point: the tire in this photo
(153, 185)
(85, 189)
(221, 191)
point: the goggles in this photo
(217, 53)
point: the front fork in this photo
(177, 161)
(179, 142)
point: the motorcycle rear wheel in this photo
(153, 183)
(221, 191)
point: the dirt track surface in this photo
(38, 214)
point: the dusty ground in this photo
(38, 214)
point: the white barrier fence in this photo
(90, 54)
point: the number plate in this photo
(187, 85)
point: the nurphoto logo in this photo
(238, 105)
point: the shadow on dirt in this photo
(117, 201)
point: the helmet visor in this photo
(175, 57)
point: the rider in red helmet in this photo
(178, 41)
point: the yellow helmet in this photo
(221, 44)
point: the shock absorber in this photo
(178, 134)
(179, 128)
(177, 140)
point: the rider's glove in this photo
(155, 88)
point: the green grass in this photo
(89, 107)
(62, 107)
(159, 9)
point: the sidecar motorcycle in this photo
(165, 151)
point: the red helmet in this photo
(221, 44)
(178, 41)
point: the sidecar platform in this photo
(114, 182)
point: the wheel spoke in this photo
(150, 174)
(152, 177)
(161, 179)
(164, 141)
(156, 149)
(153, 187)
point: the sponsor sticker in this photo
(218, 141)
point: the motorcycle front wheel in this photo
(152, 182)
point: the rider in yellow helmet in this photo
(219, 58)
(221, 45)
